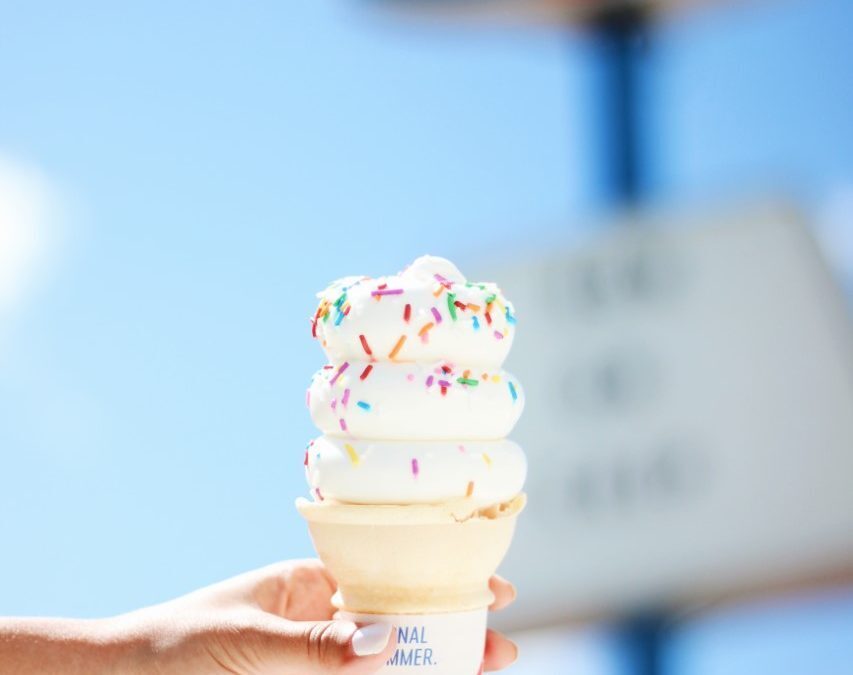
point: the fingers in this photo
(504, 592)
(300, 590)
(308, 594)
(308, 648)
(500, 651)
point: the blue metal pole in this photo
(620, 33)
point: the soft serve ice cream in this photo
(414, 405)
(416, 489)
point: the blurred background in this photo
(664, 189)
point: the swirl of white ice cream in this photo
(418, 401)
(414, 472)
(414, 405)
(426, 312)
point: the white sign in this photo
(689, 419)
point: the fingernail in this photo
(371, 639)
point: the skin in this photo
(278, 619)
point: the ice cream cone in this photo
(417, 559)
(417, 487)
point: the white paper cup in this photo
(439, 644)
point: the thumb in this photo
(339, 647)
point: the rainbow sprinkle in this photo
(365, 346)
(467, 380)
(416, 469)
(353, 455)
(487, 460)
(451, 305)
(476, 322)
(470, 490)
(386, 291)
(343, 424)
(407, 313)
(499, 335)
(335, 377)
(436, 314)
(363, 405)
(345, 397)
(397, 347)
(512, 391)
(366, 372)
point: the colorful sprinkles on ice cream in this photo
(409, 298)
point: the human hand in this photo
(278, 619)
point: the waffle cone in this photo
(419, 559)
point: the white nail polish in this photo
(371, 639)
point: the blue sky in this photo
(214, 164)
(217, 166)
(753, 97)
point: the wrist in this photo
(126, 644)
(39, 645)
